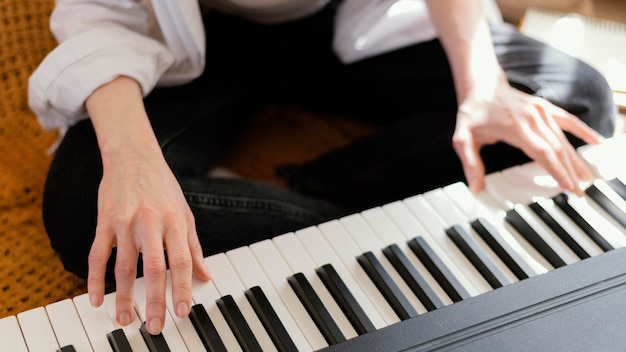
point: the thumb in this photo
(473, 166)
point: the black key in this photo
(385, 284)
(155, 343)
(344, 298)
(562, 201)
(205, 329)
(618, 186)
(509, 256)
(270, 320)
(559, 231)
(479, 259)
(412, 277)
(605, 203)
(316, 309)
(68, 348)
(516, 220)
(118, 341)
(438, 269)
(238, 324)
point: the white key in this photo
(135, 340)
(529, 191)
(535, 179)
(388, 232)
(615, 198)
(95, 321)
(184, 325)
(548, 187)
(505, 193)
(67, 325)
(480, 205)
(611, 194)
(451, 215)
(205, 293)
(595, 217)
(174, 341)
(347, 251)
(11, 336)
(38, 332)
(411, 228)
(300, 262)
(251, 274)
(606, 157)
(227, 283)
(322, 253)
(367, 240)
(277, 271)
(449, 253)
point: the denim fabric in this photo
(407, 94)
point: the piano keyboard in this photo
(339, 284)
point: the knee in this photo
(70, 199)
(591, 99)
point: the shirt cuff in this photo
(71, 72)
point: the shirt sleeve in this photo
(98, 41)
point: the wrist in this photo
(120, 121)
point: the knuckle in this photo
(93, 281)
(560, 152)
(97, 258)
(154, 266)
(155, 304)
(544, 153)
(124, 270)
(179, 261)
(143, 212)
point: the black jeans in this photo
(408, 94)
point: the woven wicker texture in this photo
(30, 273)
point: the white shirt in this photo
(161, 42)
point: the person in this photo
(152, 94)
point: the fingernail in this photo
(94, 300)
(123, 318)
(182, 310)
(154, 326)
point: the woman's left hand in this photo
(529, 123)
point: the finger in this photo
(570, 123)
(97, 262)
(200, 269)
(469, 154)
(180, 264)
(540, 150)
(573, 163)
(580, 168)
(125, 276)
(537, 140)
(576, 127)
(563, 151)
(155, 280)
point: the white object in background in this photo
(365, 28)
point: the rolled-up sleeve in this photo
(98, 41)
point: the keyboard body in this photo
(580, 307)
(520, 266)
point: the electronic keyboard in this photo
(519, 266)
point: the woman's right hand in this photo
(141, 209)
